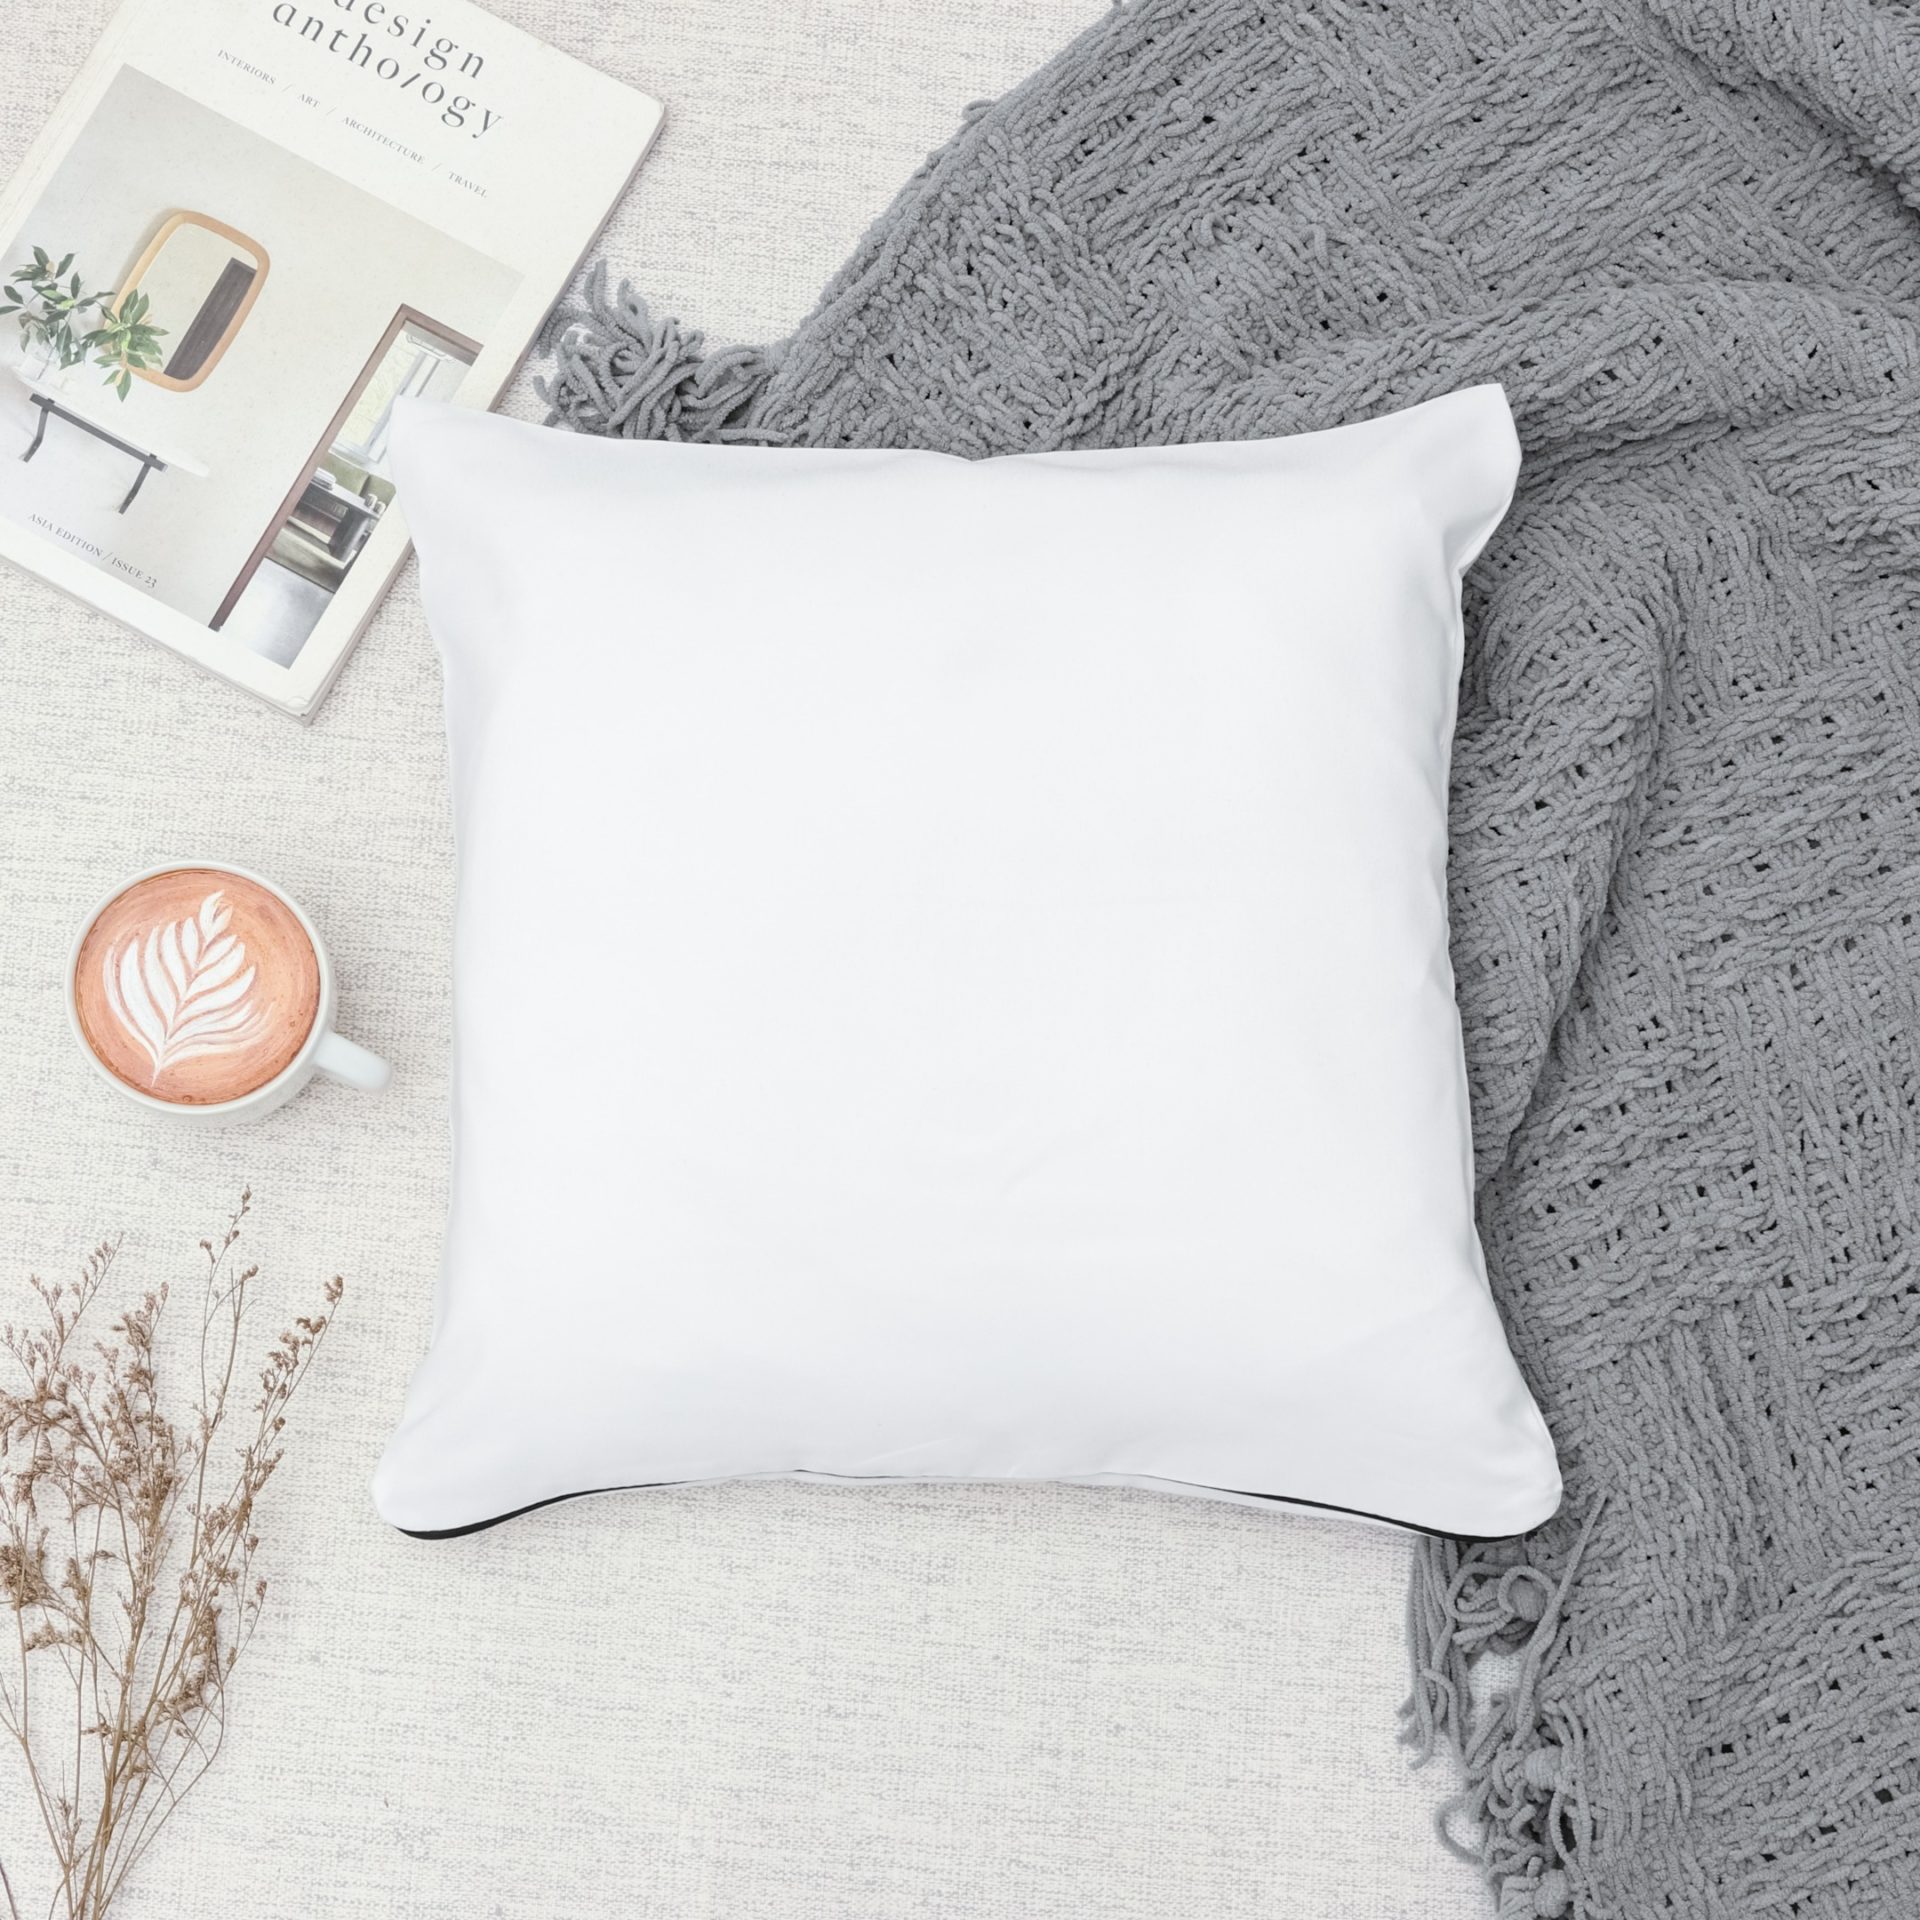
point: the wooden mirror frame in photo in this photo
(168, 228)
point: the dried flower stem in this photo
(127, 1549)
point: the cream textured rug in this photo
(748, 1704)
(1686, 823)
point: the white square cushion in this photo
(951, 972)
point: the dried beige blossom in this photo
(127, 1546)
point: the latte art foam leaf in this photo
(196, 985)
(183, 989)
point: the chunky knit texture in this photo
(1686, 808)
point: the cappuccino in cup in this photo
(202, 989)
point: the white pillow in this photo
(951, 972)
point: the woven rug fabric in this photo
(1686, 805)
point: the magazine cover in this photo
(249, 228)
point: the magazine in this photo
(250, 227)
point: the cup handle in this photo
(339, 1059)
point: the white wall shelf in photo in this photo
(65, 403)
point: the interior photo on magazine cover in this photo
(210, 425)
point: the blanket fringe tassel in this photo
(1524, 1797)
(620, 370)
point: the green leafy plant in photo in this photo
(125, 342)
(52, 306)
(58, 317)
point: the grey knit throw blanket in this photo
(1686, 791)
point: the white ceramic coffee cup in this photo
(322, 1051)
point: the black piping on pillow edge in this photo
(887, 1479)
